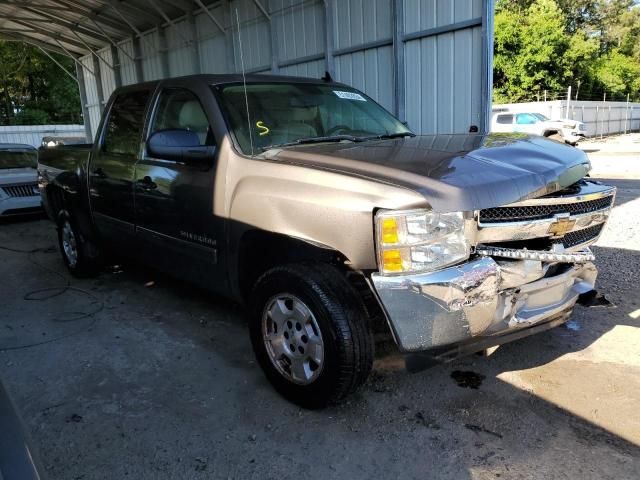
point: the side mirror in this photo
(180, 145)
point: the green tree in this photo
(619, 74)
(534, 52)
(33, 89)
(551, 44)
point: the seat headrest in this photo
(303, 114)
(192, 116)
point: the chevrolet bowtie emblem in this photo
(561, 226)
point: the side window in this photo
(505, 119)
(181, 109)
(525, 119)
(124, 126)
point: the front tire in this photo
(81, 256)
(310, 333)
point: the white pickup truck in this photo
(567, 130)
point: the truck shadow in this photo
(183, 356)
(628, 189)
(526, 409)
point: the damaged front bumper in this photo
(482, 298)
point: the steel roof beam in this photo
(185, 6)
(167, 19)
(71, 25)
(111, 40)
(132, 7)
(35, 5)
(73, 77)
(51, 33)
(16, 30)
(93, 52)
(24, 37)
(96, 15)
(126, 20)
(212, 17)
(78, 62)
(262, 9)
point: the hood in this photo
(10, 176)
(453, 172)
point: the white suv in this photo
(19, 192)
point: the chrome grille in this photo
(538, 212)
(573, 218)
(23, 190)
(578, 237)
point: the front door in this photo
(174, 199)
(111, 172)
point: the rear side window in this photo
(505, 119)
(124, 126)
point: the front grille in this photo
(539, 212)
(578, 237)
(24, 190)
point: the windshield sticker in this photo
(349, 95)
(264, 130)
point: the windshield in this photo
(541, 117)
(18, 159)
(282, 114)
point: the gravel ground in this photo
(161, 384)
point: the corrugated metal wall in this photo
(427, 61)
(33, 134)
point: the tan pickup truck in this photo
(324, 214)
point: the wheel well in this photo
(260, 251)
(55, 198)
(548, 133)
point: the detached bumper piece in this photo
(485, 297)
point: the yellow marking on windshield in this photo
(264, 129)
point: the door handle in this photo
(146, 183)
(98, 172)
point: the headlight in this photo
(413, 241)
(569, 125)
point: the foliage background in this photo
(540, 46)
(549, 45)
(33, 89)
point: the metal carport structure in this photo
(428, 61)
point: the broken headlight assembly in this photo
(415, 241)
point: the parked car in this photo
(324, 214)
(56, 141)
(19, 193)
(18, 460)
(569, 131)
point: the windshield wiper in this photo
(388, 136)
(303, 141)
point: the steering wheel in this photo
(336, 128)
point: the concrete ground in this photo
(160, 383)
(617, 156)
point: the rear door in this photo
(112, 168)
(174, 199)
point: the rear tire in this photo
(81, 256)
(310, 333)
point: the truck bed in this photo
(64, 157)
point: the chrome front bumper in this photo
(16, 205)
(480, 298)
